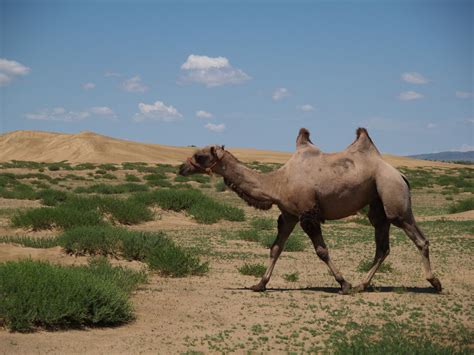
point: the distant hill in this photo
(95, 148)
(447, 156)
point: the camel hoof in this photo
(258, 288)
(346, 288)
(358, 288)
(436, 284)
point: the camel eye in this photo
(201, 159)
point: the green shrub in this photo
(220, 186)
(157, 179)
(132, 178)
(19, 191)
(108, 167)
(60, 217)
(109, 176)
(85, 166)
(293, 277)
(203, 208)
(157, 250)
(256, 270)
(463, 205)
(39, 294)
(202, 179)
(51, 197)
(30, 242)
(250, 235)
(172, 260)
(128, 211)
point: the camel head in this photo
(202, 161)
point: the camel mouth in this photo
(183, 170)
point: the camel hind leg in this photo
(414, 232)
(394, 191)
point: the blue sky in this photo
(246, 74)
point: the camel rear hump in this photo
(363, 142)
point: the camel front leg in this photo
(312, 228)
(286, 224)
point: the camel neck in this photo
(257, 189)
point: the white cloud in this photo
(134, 84)
(211, 71)
(410, 95)
(204, 114)
(215, 127)
(204, 62)
(9, 69)
(414, 78)
(156, 112)
(305, 108)
(464, 148)
(103, 111)
(63, 115)
(108, 74)
(57, 114)
(280, 93)
(88, 86)
(464, 94)
(431, 125)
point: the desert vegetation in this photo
(135, 245)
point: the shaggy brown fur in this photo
(314, 186)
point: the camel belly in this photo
(336, 201)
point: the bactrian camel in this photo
(314, 186)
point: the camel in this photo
(313, 186)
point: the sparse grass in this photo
(19, 191)
(112, 189)
(293, 277)
(294, 243)
(109, 176)
(202, 179)
(365, 265)
(157, 179)
(39, 294)
(108, 167)
(264, 167)
(391, 338)
(462, 205)
(30, 242)
(85, 166)
(263, 223)
(256, 270)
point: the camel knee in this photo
(322, 253)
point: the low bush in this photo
(51, 197)
(30, 242)
(256, 270)
(462, 205)
(108, 167)
(39, 294)
(132, 178)
(294, 243)
(293, 277)
(220, 186)
(157, 250)
(19, 191)
(203, 208)
(61, 217)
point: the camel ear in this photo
(217, 152)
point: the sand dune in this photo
(96, 148)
